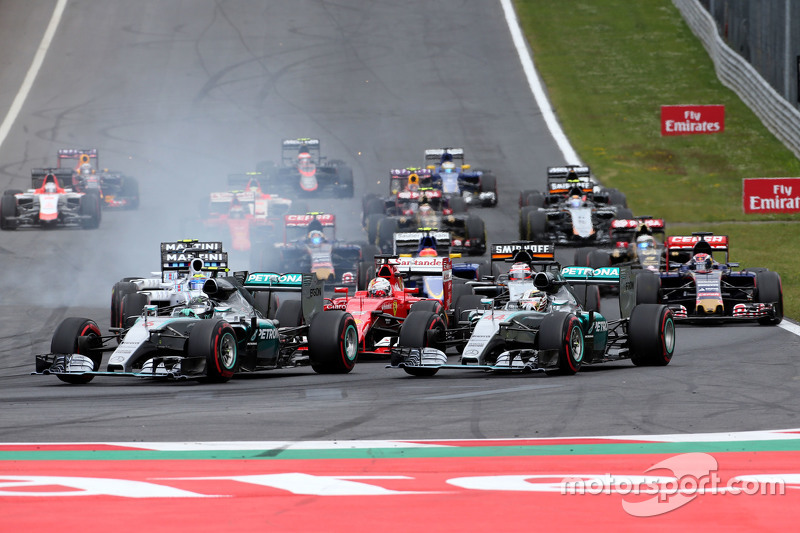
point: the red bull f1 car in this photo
(116, 189)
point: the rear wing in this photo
(433, 156)
(79, 156)
(613, 276)
(560, 180)
(227, 197)
(290, 148)
(177, 257)
(303, 221)
(412, 241)
(425, 266)
(681, 248)
(63, 175)
(242, 181)
(628, 227)
(528, 252)
(309, 287)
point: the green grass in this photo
(608, 67)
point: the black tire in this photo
(535, 199)
(430, 306)
(120, 290)
(386, 230)
(523, 221)
(11, 192)
(372, 223)
(582, 256)
(458, 205)
(130, 191)
(589, 297)
(215, 341)
(651, 335)
(476, 230)
(617, 197)
(263, 300)
(623, 213)
(537, 225)
(66, 341)
(598, 259)
(646, 286)
(422, 329)
(289, 313)
(459, 290)
(489, 184)
(131, 305)
(8, 208)
(90, 207)
(333, 342)
(523, 197)
(770, 291)
(373, 205)
(346, 189)
(562, 332)
(365, 274)
(465, 303)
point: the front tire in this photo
(66, 340)
(651, 335)
(769, 288)
(215, 341)
(422, 329)
(333, 342)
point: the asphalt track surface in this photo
(180, 94)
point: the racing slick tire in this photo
(90, 208)
(770, 291)
(75, 335)
(476, 229)
(590, 299)
(345, 179)
(617, 197)
(431, 306)
(131, 305)
(387, 227)
(373, 205)
(536, 226)
(422, 329)
(333, 342)
(119, 291)
(598, 259)
(562, 332)
(522, 221)
(366, 272)
(489, 184)
(523, 197)
(535, 199)
(8, 208)
(457, 204)
(130, 191)
(581, 257)
(464, 304)
(623, 213)
(12, 192)
(215, 341)
(263, 300)
(651, 335)
(646, 286)
(372, 223)
(289, 314)
(461, 289)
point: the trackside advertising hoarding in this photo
(771, 195)
(692, 119)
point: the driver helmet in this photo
(575, 201)
(200, 306)
(428, 252)
(348, 277)
(643, 242)
(425, 209)
(519, 271)
(196, 282)
(702, 262)
(379, 287)
(86, 169)
(448, 166)
(50, 187)
(534, 300)
(315, 237)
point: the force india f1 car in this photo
(211, 337)
(558, 338)
(115, 188)
(51, 202)
(304, 172)
(699, 288)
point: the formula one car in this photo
(185, 265)
(211, 337)
(247, 216)
(304, 172)
(50, 203)
(637, 242)
(699, 288)
(379, 310)
(542, 327)
(310, 245)
(426, 208)
(116, 189)
(456, 178)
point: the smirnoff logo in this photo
(692, 119)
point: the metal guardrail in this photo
(778, 115)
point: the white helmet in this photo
(534, 300)
(379, 287)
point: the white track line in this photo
(570, 156)
(27, 83)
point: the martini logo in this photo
(692, 119)
(180, 246)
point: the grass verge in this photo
(608, 67)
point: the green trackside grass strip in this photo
(410, 453)
(608, 67)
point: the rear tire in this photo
(65, 341)
(289, 314)
(646, 286)
(119, 291)
(537, 225)
(214, 340)
(333, 342)
(489, 184)
(651, 335)
(476, 232)
(131, 305)
(90, 207)
(8, 208)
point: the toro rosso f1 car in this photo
(700, 285)
(541, 327)
(213, 336)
